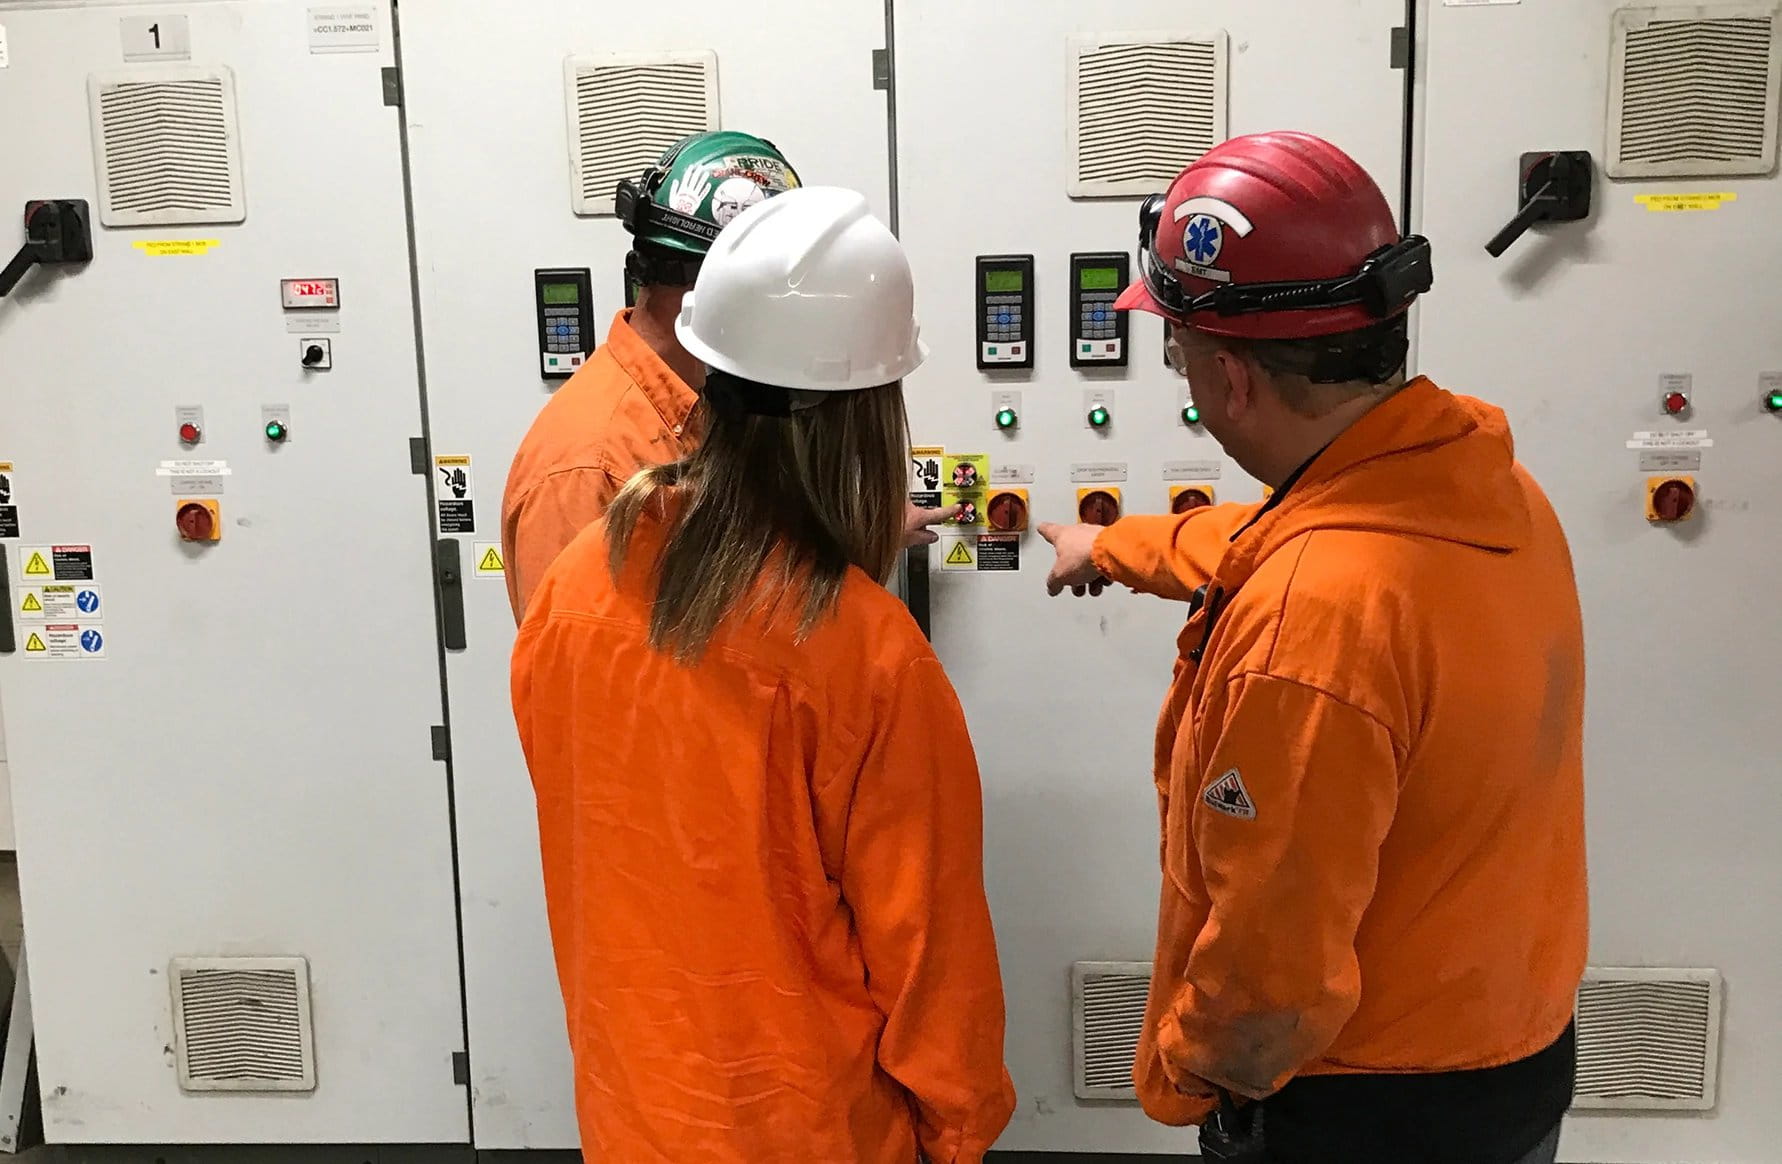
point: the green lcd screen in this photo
(1100, 278)
(562, 294)
(1003, 282)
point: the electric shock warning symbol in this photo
(489, 563)
(34, 644)
(960, 555)
(37, 566)
(31, 605)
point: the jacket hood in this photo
(1424, 463)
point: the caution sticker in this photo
(170, 248)
(65, 642)
(456, 494)
(56, 563)
(488, 560)
(959, 553)
(999, 553)
(1674, 203)
(61, 604)
(925, 475)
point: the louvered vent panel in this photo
(625, 110)
(1108, 1014)
(1648, 1039)
(1694, 92)
(167, 147)
(243, 1024)
(1144, 107)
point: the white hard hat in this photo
(806, 290)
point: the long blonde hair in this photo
(776, 508)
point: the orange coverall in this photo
(1369, 767)
(623, 410)
(764, 878)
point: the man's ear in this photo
(1241, 382)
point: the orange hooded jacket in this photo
(1369, 766)
(764, 878)
(623, 410)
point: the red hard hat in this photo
(1268, 208)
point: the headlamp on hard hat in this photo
(1384, 285)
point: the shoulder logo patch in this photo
(1229, 796)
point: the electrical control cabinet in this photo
(1062, 694)
(762, 68)
(1676, 541)
(225, 677)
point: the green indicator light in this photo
(1099, 417)
(1773, 401)
(1006, 418)
(1190, 414)
(276, 431)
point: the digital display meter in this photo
(565, 320)
(1005, 311)
(309, 294)
(1098, 332)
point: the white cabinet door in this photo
(1570, 332)
(490, 152)
(237, 759)
(1062, 696)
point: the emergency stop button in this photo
(1670, 499)
(198, 520)
(1098, 506)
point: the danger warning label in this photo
(999, 553)
(56, 563)
(456, 496)
(65, 642)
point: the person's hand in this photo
(1075, 567)
(917, 523)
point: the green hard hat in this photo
(698, 186)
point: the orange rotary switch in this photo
(1008, 510)
(1098, 506)
(198, 521)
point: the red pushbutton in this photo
(196, 522)
(1676, 403)
(1673, 500)
(189, 433)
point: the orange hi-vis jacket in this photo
(624, 410)
(1369, 766)
(764, 878)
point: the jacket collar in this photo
(665, 391)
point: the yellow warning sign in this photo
(37, 566)
(488, 560)
(31, 605)
(35, 644)
(1683, 202)
(959, 556)
(162, 248)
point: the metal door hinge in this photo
(1401, 48)
(417, 456)
(393, 86)
(461, 1068)
(442, 744)
(881, 68)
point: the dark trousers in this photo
(1547, 1152)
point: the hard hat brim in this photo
(1138, 297)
